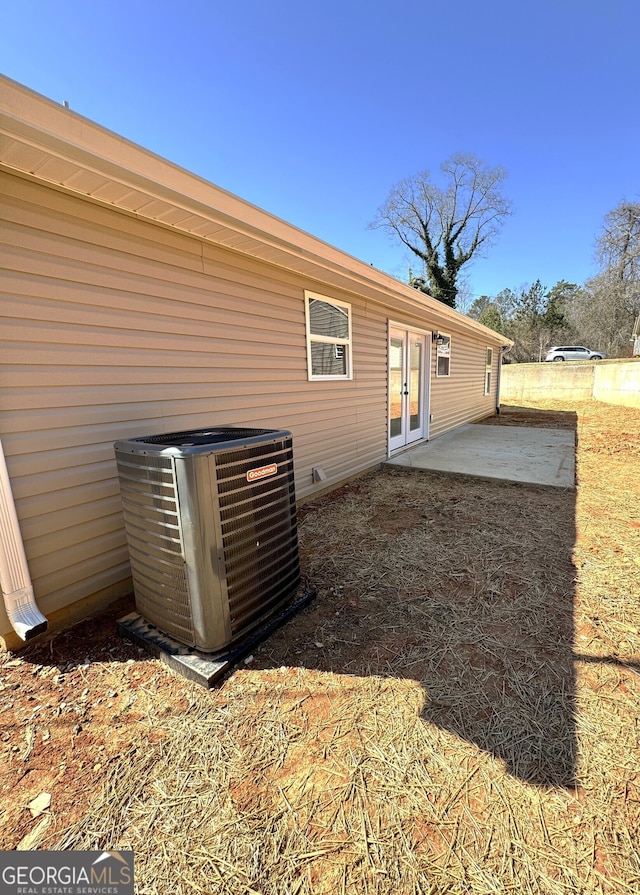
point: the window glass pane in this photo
(324, 361)
(443, 354)
(328, 320)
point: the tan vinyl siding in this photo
(459, 398)
(110, 328)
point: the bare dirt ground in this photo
(457, 712)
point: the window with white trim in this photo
(488, 364)
(443, 355)
(328, 324)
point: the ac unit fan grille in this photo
(259, 531)
(151, 515)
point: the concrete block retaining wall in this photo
(612, 383)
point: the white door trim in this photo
(405, 437)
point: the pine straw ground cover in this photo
(458, 711)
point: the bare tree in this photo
(605, 310)
(446, 226)
(603, 313)
(618, 245)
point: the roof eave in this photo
(47, 142)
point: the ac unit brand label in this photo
(262, 472)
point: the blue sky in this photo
(314, 110)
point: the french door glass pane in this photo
(396, 352)
(415, 385)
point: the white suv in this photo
(573, 352)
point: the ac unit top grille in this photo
(201, 440)
(204, 436)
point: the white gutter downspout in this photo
(504, 349)
(17, 592)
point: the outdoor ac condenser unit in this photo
(210, 519)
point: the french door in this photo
(408, 387)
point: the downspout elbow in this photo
(17, 592)
(24, 616)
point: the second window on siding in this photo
(488, 364)
(443, 355)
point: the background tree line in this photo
(600, 314)
(448, 224)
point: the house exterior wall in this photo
(459, 398)
(115, 327)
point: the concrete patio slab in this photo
(509, 453)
